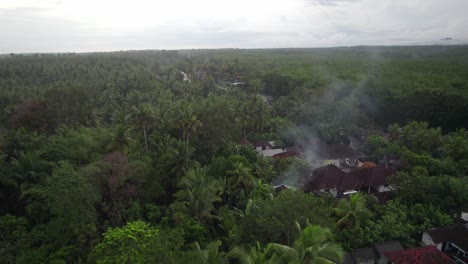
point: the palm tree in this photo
(120, 139)
(264, 169)
(244, 119)
(394, 132)
(314, 245)
(351, 211)
(143, 116)
(255, 255)
(455, 145)
(120, 117)
(261, 115)
(188, 121)
(178, 158)
(199, 191)
(26, 170)
(211, 254)
(241, 176)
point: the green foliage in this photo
(198, 194)
(14, 237)
(275, 220)
(211, 254)
(445, 192)
(71, 198)
(86, 143)
(254, 255)
(128, 244)
(377, 147)
(138, 242)
(277, 85)
(93, 141)
(417, 137)
(313, 245)
(394, 221)
(351, 211)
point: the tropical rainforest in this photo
(135, 156)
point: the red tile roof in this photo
(422, 255)
(354, 180)
(286, 154)
(330, 176)
(366, 177)
(380, 175)
(327, 177)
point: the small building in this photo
(268, 149)
(271, 152)
(325, 179)
(422, 255)
(363, 256)
(452, 239)
(286, 154)
(462, 217)
(336, 154)
(262, 145)
(237, 83)
(337, 182)
(282, 187)
(374, 254)
(369, 180)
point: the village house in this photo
(371, 255)
(268, 148)
(452, 239)
(369, 180)
(263, 145)
(391, 252)
(331, 179)
(341, 155)
(325, 180)
(422, 255)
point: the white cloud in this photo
(87, 25)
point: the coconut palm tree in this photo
(188, 121)
(314, 245)
(241, 176)
(143, 116)
(455, 145)
(255, 255)
(177, 158)
(26, 170)
(120, 139)
(211, 254)
(263, 169)
(199, 192)
(351, 211)
(260, 113)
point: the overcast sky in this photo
(104, 25)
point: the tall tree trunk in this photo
(188, 137)
(146, 140)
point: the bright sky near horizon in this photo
(105, 25)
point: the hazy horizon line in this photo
(234, 48)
